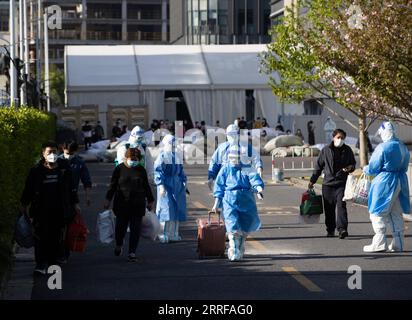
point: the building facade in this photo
(96, 22)
(220, 21)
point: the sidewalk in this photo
(20, 284)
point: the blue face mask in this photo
(132, 163)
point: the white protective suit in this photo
(329, 127)
(136, 140)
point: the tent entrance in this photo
(176, 108)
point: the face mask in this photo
(68, 156)
(51, 158)
(338, 143)
(132, 163)
(232, 139)
(386, 135)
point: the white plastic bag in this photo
(150, 226)
(349, 188)
(105, 226)
(361, 192)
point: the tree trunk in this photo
(363, 145)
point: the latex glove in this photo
(259, 189)
(260, 172)
(162, 191)
(210, 184)
(217, 204)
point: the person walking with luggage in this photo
(220, 156)
(170, 180)
(336, 161)
(235, 186)
(52, 197)
(389, 192)
(131, 192)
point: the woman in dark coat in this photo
(132, 194)
(311, 133)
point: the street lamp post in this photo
(46, 61)
(13, 71)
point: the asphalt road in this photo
(284, 260)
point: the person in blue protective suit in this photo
(220, 156)
(136, 140)
(389, 193)
(235, 186)
(170, 180)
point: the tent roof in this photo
(151, 67)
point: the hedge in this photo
(22, 131)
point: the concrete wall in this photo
(177, 18)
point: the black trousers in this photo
(47, 244)
(332, 199)
(134, 221)
(87, 143)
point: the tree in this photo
(56, 77)
(57, 86)
(322, 55)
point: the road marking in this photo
(304, 281)
(257, 245)
(199, 205)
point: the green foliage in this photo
(56, 86)
(22, 132)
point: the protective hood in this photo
(387, 131)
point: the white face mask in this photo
(338, 143)
(68, 156)
(232, 139)
(386, 135)
(51, 158)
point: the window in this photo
(312, 107)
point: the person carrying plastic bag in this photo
(235, 186)
(132, 194)
(389, 193)
(170, 180)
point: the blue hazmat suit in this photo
(168, 171)
(220, 157)
(389, 163)
(235, 184)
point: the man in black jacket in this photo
(52, 197)
(337, 161)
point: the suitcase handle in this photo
(212, 212)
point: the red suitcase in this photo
(211, 237)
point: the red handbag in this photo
(76, 235)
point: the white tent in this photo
(213, 79)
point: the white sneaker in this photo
(163, 239)
(175, 239)
(40, 271)
(407, 217)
